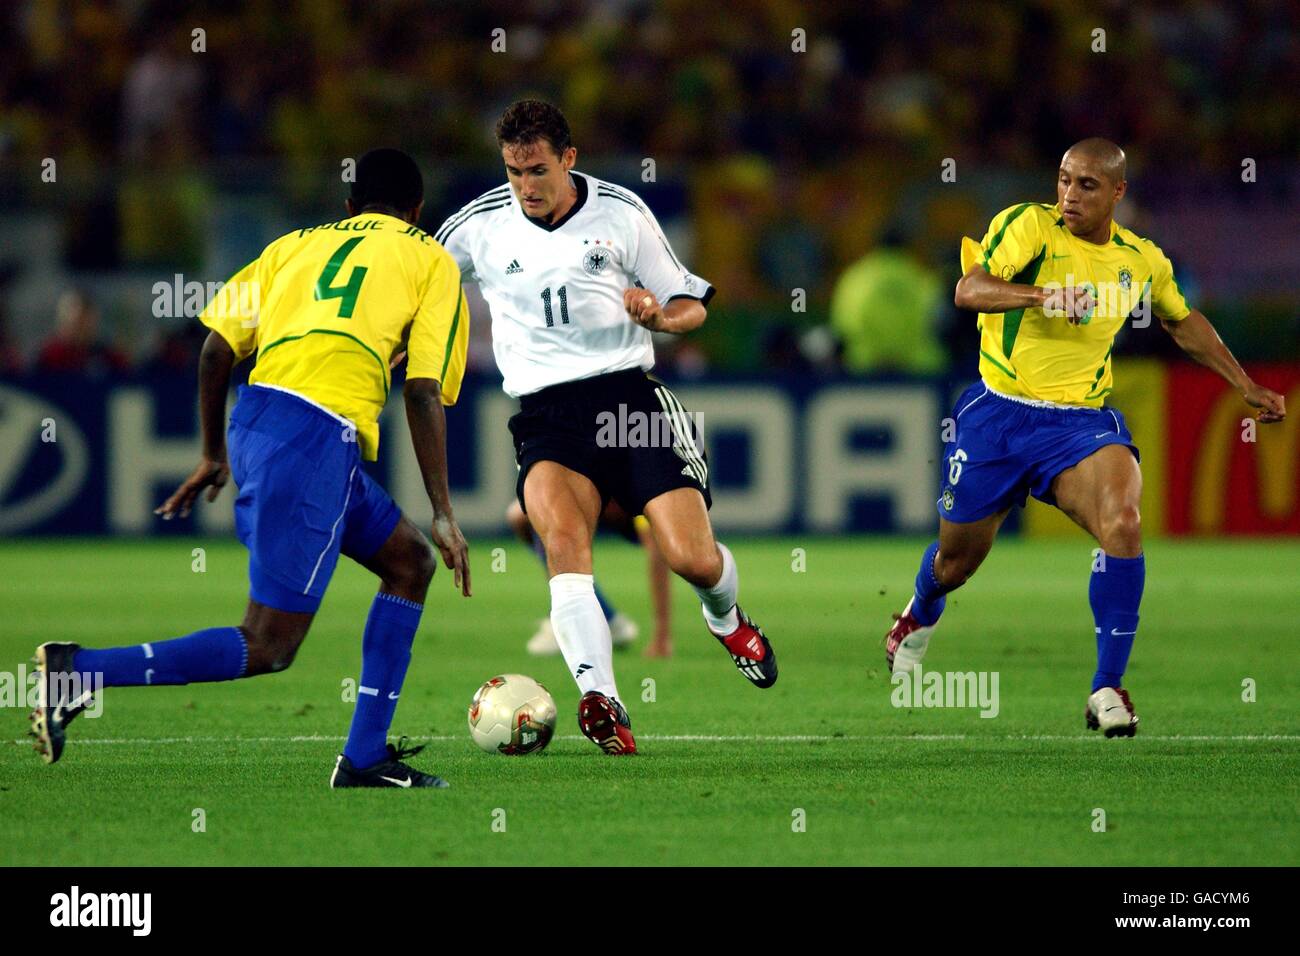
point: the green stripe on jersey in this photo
(451, 336)
(997, 363)
(997, 236)
(1011, 320)
(293, 338)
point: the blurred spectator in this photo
(159, 95)
(178, 350)
(11, 357)
(75, 345)
(822, 350)
(788, 159)
(938, 80)
(885, 310)
(679, 357)
(780, 351)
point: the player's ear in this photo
(569, 158)
(352, 210)
(413, 216)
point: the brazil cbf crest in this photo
(1125, 278)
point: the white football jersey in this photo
(556, 290)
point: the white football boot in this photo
(906, 642)
(1111, 712)
(623, 632)
(543, 643)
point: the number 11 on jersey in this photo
(562, 293)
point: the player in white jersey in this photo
(577, 274)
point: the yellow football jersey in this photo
(1032, 354)
(325, 308)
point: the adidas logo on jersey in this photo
(514, 268)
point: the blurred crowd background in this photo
(798, 152)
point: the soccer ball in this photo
(512, 714)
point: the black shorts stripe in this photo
(679, 421)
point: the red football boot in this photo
(604, 721)
(906, 642)
(750, 651)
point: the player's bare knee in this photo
(1122, 532)
(699, 565)
(422, 565)
(414, 584)
(703, 570)
(270, 649)
(954, 570)
(282, 654)
(568, 551)
(409, 573)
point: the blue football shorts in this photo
(1006, 449)
(303, 496)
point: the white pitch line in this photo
(699, 738)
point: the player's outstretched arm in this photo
(679, 315)
(215, 363)
(1199, 339)
(980, 291)
(428, 424)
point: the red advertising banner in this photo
(1226, 473)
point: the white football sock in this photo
(719, 601)
(582, 633)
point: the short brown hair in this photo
(527, 121)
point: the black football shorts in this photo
(626, 431)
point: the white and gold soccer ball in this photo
(512, 714)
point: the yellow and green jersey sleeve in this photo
(439, 341)
(1036, 355)
(1015, 240)
(233, 311)
(335, 302)
(1167, 299)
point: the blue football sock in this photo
(606, 608)
(929, 601)
(218, 653)
(385, 655)
(1115, 593)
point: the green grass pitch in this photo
(725, 769)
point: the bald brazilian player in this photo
(1053, 285)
